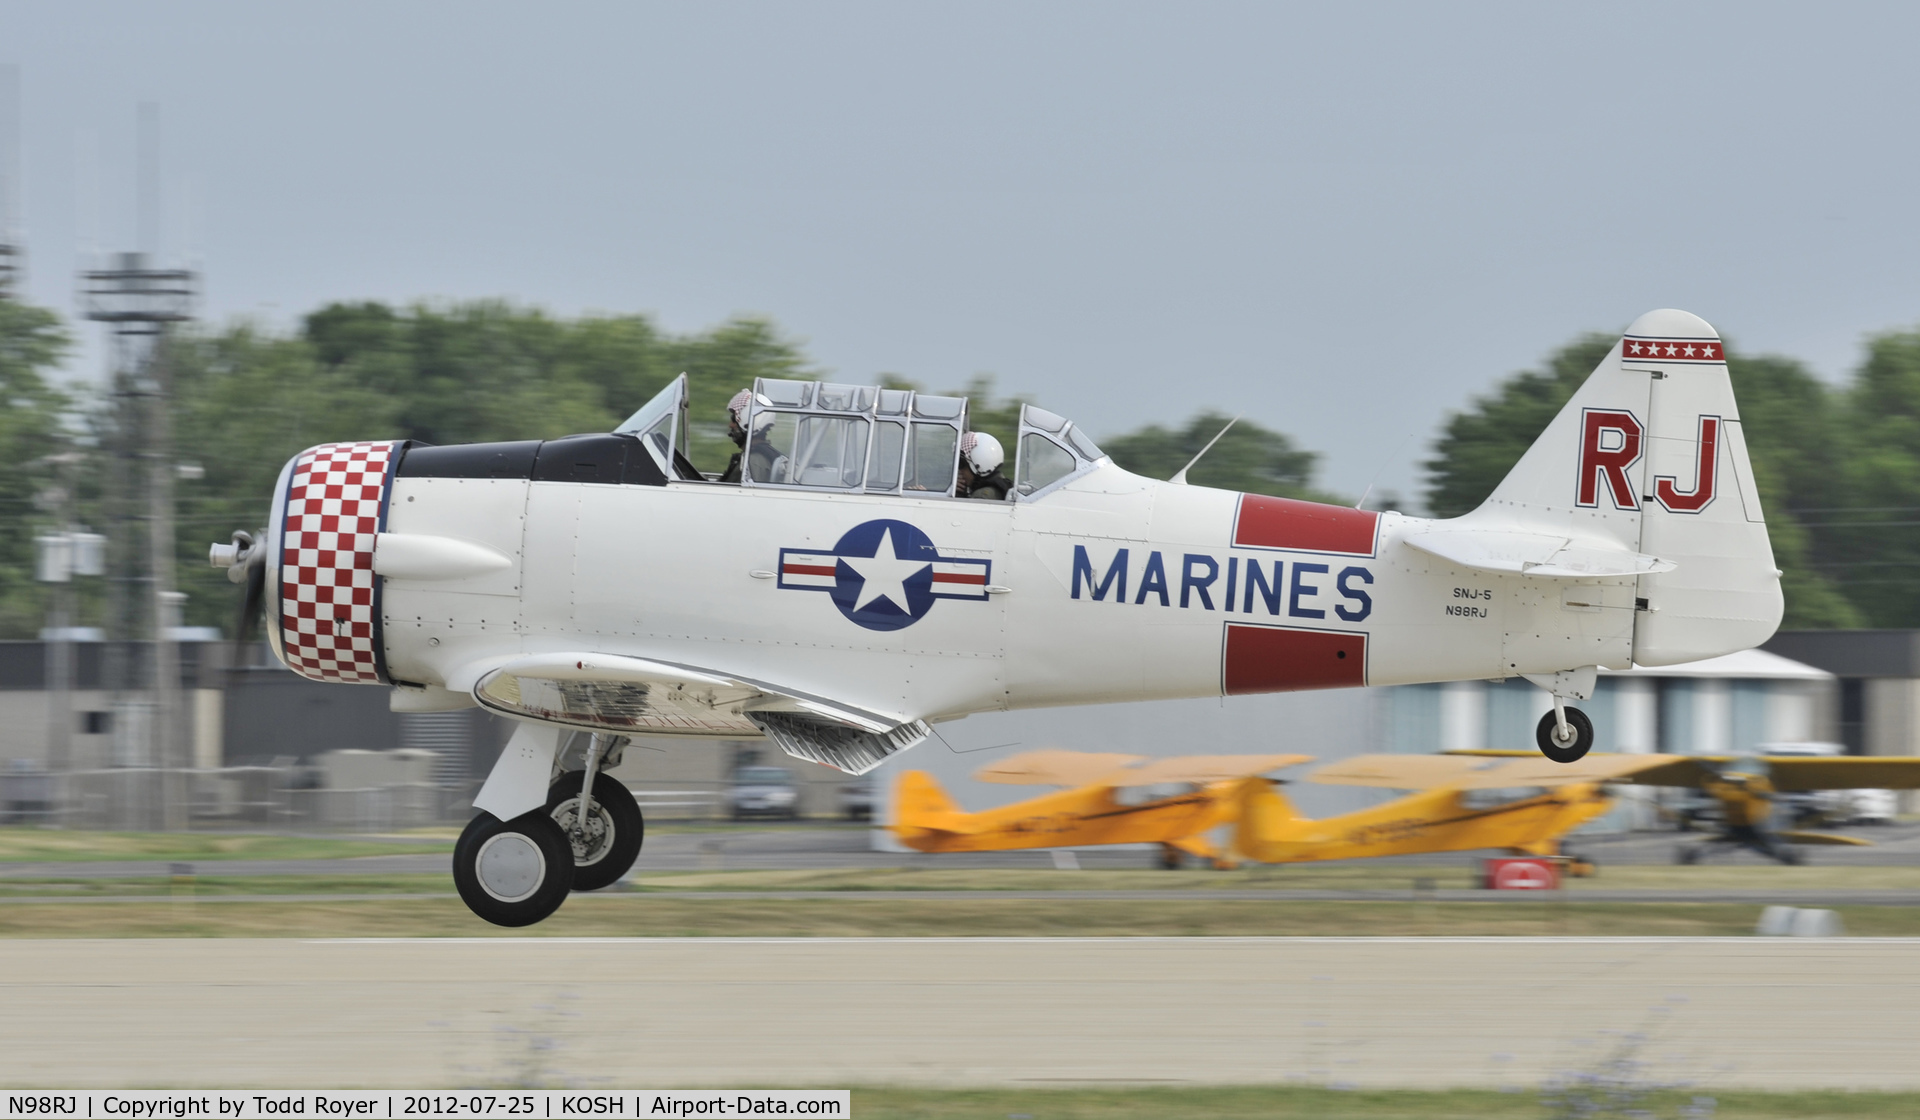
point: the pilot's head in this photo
(737, 417)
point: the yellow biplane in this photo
(1523, 805)
(1744, 786)
(1111, 801)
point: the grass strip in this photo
(1266, 1102)
(641, 915)
(43, 845)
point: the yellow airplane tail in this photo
(920, 805)
(1266, 817)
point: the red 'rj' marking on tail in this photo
(1597, 462)
(1706, 457)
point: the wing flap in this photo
(635, 696)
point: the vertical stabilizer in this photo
(1648, 458)
(1702, 508)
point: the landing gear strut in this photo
(1565, 734)
(605, 837)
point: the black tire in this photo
(513, 873)
(1686, 854)
(614, 835)
(1578, 723)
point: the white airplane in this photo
(839, 600)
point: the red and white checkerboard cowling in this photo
(328, 626)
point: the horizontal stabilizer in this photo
(1548, 555)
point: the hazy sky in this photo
(1343, 219)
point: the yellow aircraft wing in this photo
(1054, 768)
(1789, 774)
(1796, 775)
(1201, 769)
(1502, 770)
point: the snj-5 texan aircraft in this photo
(839, 601)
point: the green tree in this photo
(1786, 417)
(1479, 446)
(32, 427)
(1872, 540)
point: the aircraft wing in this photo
(1201, 769)
(633, 696)
(1794, 775)
(1053, 768)
(1505, 770)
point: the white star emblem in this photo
(884, 575)
(1690, 351)
(1708, 349)
(1670, 350)
(1635, 348)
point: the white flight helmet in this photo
(982, 453)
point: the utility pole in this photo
(140, 303)
(10, 254)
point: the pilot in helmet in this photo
(764, 453)
(980, 458)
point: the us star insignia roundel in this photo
(884, 574)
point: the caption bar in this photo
(435, 1104)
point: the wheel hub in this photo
(594, 839)
(509, 867)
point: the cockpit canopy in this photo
(823, 436)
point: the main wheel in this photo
(610, 842)
(513, 873)
(1571, 749)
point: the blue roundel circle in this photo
(883, 578)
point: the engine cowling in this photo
(332, 508)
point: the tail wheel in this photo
(606, 846)
(513, 873)
(1570, 747)
(1686, 854)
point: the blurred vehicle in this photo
(856, 800)
(763, 791)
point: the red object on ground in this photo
(1521, 873)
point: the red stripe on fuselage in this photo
(809, 570)
(1266, 522)
(1278, 659)
(959, 577)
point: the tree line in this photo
(1838, 466)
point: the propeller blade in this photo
(251, 602)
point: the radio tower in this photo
(140, 302)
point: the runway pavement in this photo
(1781, 1014)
